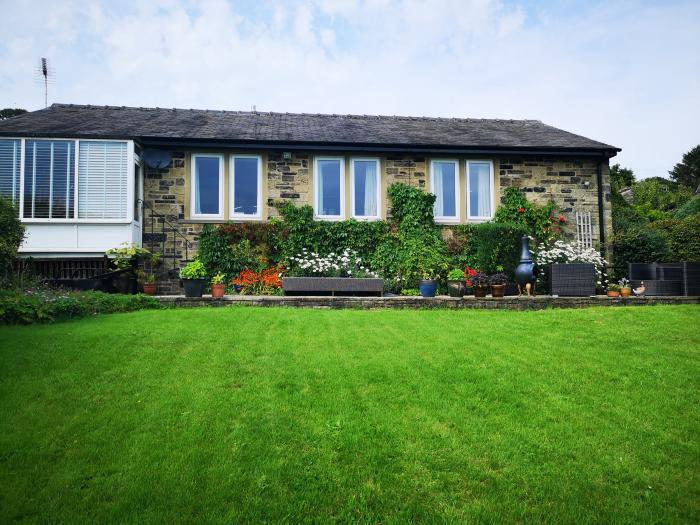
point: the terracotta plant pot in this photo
(217, 290)
(480, 291)
(625, 292)
(149, 288)
(613, 294)
(498, 290)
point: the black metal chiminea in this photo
(525, 272)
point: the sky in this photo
(626, 73)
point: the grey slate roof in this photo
(79, 121)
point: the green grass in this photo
(267, 415)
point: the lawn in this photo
(281, 415)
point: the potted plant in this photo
(456, 283)
(498, 282)
(124, 261)
(613, 290)
(480, 282)
(193, 277)
(427, 286)
(469, 273)
(149, 284)
(625, 288)
(218, 287)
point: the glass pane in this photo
(49, 181)
(479, 189)
(365, 174)
(445, 189)
(10, 151)
(329, 187)
(245, 185)
(206, 191)
(102, 180)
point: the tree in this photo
(11, 112)
(687, 172)
(620, 177)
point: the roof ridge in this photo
(319, 115)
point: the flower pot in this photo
(456, 288)
(217, 290)
(125, 283)
(149, 288)
(428, 287)
(481, 291)
(498, 290)
(194, 287)
(613, 294)
(625, 292)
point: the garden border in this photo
(443, 301)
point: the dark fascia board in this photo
(378, 148)
(335, 146)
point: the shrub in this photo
(43, 305)
(691, 207)
(264, 282)
(656, 195)
(540, 221)
(311, 264)
(11, 235)
(682, 237)
(572, 252)
(488, 245)
(411, 208)
(641, 244)
(193, 270)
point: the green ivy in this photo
(540, 221)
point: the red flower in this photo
(521, 210)
(562, 219)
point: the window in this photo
(246, 186)
(207, 186)
(102, 180)
(479, 189)
(364, 174)
(10, 158)
(49, 179)
(329, 186)
(444, 175)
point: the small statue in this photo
(526, 271)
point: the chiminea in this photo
(526, 270)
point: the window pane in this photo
(10, 156)
(445, 189)
(245, 185)
(49, 179)
(329, 187)
(206, 186)
(479, 189)
(365, 181)
(102, 180)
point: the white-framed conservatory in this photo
(74, 196)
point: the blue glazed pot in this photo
(428, 287)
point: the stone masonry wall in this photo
(571, 184)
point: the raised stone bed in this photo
(332, 286)
(506, 303)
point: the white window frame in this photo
(232, 188)
(378, 216)
(341, 161)
(193, 179)
(476, 218)
(75, 220)
(447, 219)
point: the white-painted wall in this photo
(82, 238)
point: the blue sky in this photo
(623, 72)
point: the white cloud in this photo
(624, 73)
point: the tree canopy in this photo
(11, 112)
(687, 172)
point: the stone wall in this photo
(571, 184)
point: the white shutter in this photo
(102, 180)
(10, 151)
